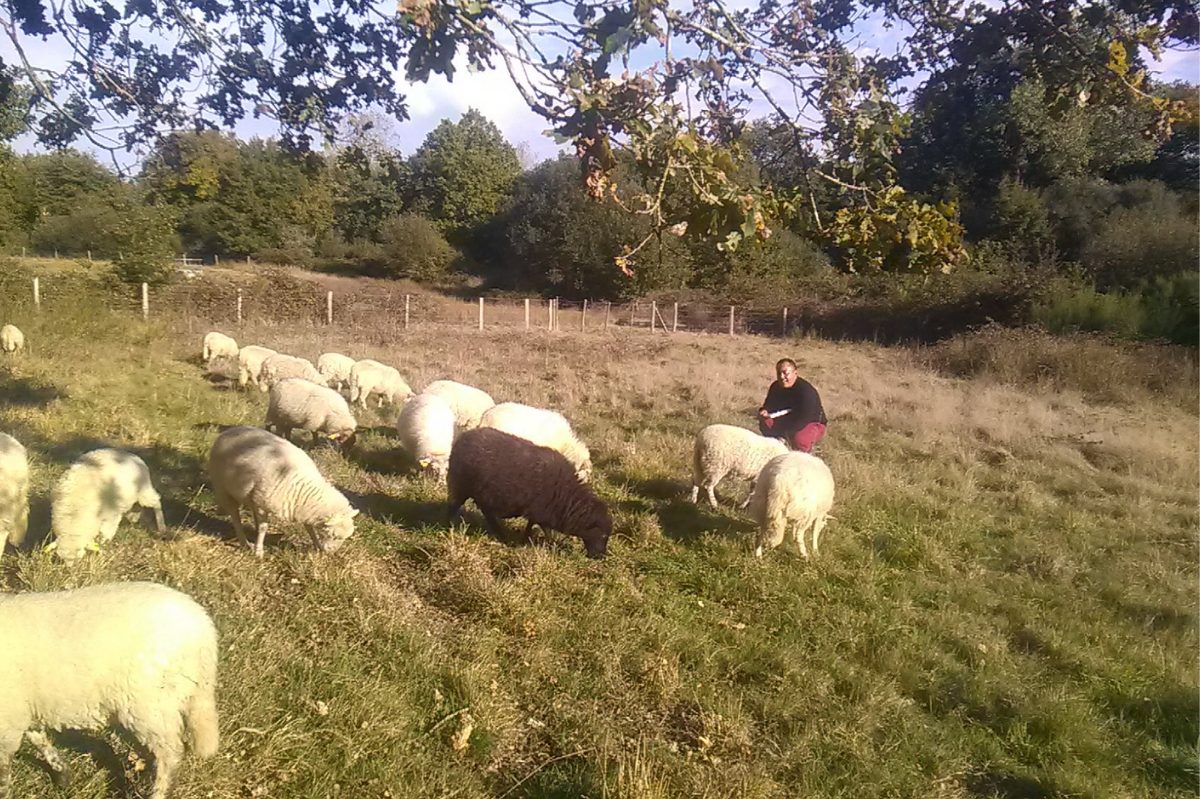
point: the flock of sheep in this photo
(513, 460)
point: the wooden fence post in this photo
(731, 320)
(653, 313)
(329, 307)
(37, 294)
(607, 312)
(216, 260)
(89, 256)
(526, 313)
(239, 307)
(632, 309)
(549, 314)
(481, 313)
(675, 319)
(784, 320)
(406, 296)
(56, 253)
(583, 318)
(145, 301)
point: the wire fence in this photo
(299, 301)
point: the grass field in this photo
(1005, 604)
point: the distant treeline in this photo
(1070, 212)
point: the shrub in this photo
(1069, 307)
(144, 239)
(1171, 309)
(414, 248)
(1095, 366)
(295, 247)
(1147, 236)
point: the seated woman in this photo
(792, 410)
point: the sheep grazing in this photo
(218, 345)
(468, 403)
(722, 450)
(250, 361)
(372, 377)
(90, 499)
(544, 428)
(14, 491)
(335, 368)
(277, 480)
(280, 367)
(294, 402)
(11, 338)
(140, 655)
(795, 488)
(426, 428)
(508, 476)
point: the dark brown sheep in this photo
(508, 477)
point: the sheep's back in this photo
(85, 653)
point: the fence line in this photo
(301, 301)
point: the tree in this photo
(463, 172)
(239, 198)
(679, 115)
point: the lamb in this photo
(218, 345)
(250, 361)
(92, 496)
(468, 403)
(294, 402)
(372, 377)
(11, 338)
(14, 491)
(426, 428)
(276, 479)
(137, 654)
(279, 367)
(794, 487)
(508, 476)
(335, 369)
(722, 449)
(544, 428)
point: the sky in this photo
(493, 94)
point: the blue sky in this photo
(493, 94)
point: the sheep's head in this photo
(595, 528)
(333, 532)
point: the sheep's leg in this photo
(799, 531)
(712, 494)
(260, 526)
(60, 769)
(494, 525)
(818, 526)
(161, 733)
(109, 525)
(231, 507)
(749, 496)
(695, 492)
(10, 741)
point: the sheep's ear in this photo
(353, 512)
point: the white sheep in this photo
(275, 479)
(295, 402)
(279, 367)
(335, 369)
(250, 361)
(544, 428)
(93, 495)
(468, 403)
(426, 428)
(140, 655)
(14, 491)
(722, 450)
(218, 345)
(11, 338)
(795, 488)
(372, 377)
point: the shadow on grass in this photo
(98, 750)
(679, 519)
(405, 513)
(1000, 785)
(21, 392)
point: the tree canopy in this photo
(672, 85)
